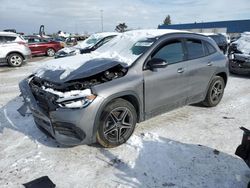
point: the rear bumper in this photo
(66, 126)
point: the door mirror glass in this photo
(156, 63)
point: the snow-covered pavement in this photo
(190, 147)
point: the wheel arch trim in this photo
(14, 52)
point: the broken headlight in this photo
(76, 102)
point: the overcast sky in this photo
(85, 15)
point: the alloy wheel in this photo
(15, 60)
(50, 52)
(217, 91)
(118, 125)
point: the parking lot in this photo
(189, 147)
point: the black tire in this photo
(50, 52)
(116, 124)
(15, 60)
(215, 92)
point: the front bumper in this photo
(66, 126)
(27, 57)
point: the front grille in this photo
(45, 100)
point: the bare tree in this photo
(167, 20)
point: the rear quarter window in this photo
(9, 38)
(210, 48)
(195, 48)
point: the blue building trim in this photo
(234, 26)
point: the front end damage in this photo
(66, 110)
(239, 63)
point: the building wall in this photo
(234, 26)
(208, 30)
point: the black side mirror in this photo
(156, 63)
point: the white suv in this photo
(13, 49)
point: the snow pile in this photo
(68, 94)
(122, 44)
(73, 98)
(243, 43)
(67, 64)
(135, 142)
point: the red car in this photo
(43, 46)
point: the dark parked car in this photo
(90, 44)
(221, 41)
(136, 76)
(43, 46)
(239, 55)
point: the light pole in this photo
(102, 19)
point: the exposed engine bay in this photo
(85, 83)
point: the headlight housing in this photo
(76, 102)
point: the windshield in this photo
(127, 48)
(92, 40)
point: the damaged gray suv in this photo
(99, 97)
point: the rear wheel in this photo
(117, 123)
(50, 52)
(15, 60)
(215, 92)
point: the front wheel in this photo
(15, 60)
(215, 92)
(50, 52)
(117, 123)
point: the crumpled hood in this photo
(89, 68)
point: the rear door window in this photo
(195, 48)
(44, 40)
(33, 40)
(172, 52)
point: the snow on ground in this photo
(189, 147)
